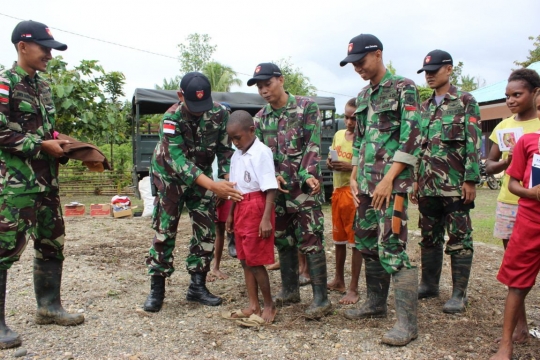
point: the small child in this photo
(521, 262)
(253, 218)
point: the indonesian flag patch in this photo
(4, 93)
(169, 127)
(410, 108)
(472, 119)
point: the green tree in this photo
(456, 74)
(468, 83)
(196, 53)
(391, 68)
(424, 92)
(534, 54)
(171, 84)
(221, 77)
(295, 81)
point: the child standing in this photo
(519, 96)
(253, 218)
(521, 262)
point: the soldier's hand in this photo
(413, 197)
(468, 192)
(281, 181)
(354, 192)
(54, 147)
(382, 194)
(226, 191)
(314, 185)
(265, 228)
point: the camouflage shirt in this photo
(451, 142)
(387, 130)
(293, 133)
(26, 119)
(187, 146)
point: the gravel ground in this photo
(105, 278)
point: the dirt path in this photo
(105, 278)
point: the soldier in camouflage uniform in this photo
(29, 159)
(291, 127)
(385, 152)
(191, 134)
(447, 176)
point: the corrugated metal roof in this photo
(496, 91)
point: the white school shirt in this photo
(253, 170)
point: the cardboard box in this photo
(100, 210)
(122, 213)
(74, 209)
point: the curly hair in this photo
(351, 102)
(528, 76)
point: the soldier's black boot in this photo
(47, 282)
(290, 285)
(378, 283)
(461, 270)
(198, 292)
(321, 305)
(8, 337)
(154, 301)
(406, 293)
(232, 245)
(432, 260)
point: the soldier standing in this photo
(29, 159)
(192, 133)
(291, 127)
(385, 152)
(447, 176)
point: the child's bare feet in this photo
(269, 314)
(274, 266)
(351, 297)
(336, 285)
(520, 336)
(504, 353)
(220, 275)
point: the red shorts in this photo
(250, 247)
(222, 211)
(521, 262)
(343, 212)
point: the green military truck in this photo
(144, 134)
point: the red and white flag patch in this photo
(4, 93)
(169, 127)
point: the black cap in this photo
(264, 71)
(197, 92)
(435, 59)
(360, 46)
(33, 31)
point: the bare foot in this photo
(220, 275)
(351, 297)
(502, 354)
(336, 285)
(210, 277)
(269, 314)
(518, 337)
(274, 266)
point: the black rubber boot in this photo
(154, 301)
(290, 285)
(432, 261)
(461, 270)
(406, 293)
(198, 292)
(47, 282)
(8, 337)
(317, 271)
(378, 283)
(232, 245)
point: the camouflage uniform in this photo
(186, 149)
(386, 131)
(451, 142)
(29, 200)
(293, 133)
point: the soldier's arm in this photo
(14, 142)
(410, 136)
(311, 154)
(425, 115)
(224, 148)
(258, 132)
(473, 136)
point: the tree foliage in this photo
(424, 92)
(196, 53)
(221, 77)
(534, 54)
(171, 84)
(391, 68)
(296, 82)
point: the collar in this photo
(385, 81)
(452, 94)
(252, 149)
(291, 104)
(22, 73)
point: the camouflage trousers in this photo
(168, 207)
(438, 214)
(31, 216)
(303, 229)
(374, 237)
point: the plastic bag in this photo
(146, 195)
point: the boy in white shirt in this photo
(253, 218)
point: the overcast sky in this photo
(486, 35)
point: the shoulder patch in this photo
(4, 93)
